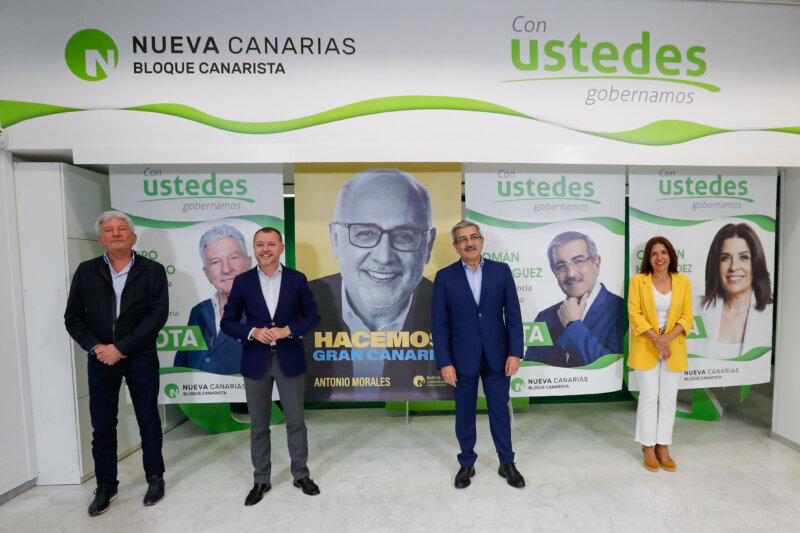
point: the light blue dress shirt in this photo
(474, 278)
(118, 279)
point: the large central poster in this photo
(370, 239)
(562, 231)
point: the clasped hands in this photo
(107, 354)
(661, 343)
(269, 335)
(449, 371)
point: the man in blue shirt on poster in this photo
(591, 321)
(224, 254)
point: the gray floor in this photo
(378, 473)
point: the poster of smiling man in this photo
(562, 232)
(370, 238)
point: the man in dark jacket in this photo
(117, 304)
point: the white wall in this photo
(17, 459)
(785, 420)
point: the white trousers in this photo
(658, 396)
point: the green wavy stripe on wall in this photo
(13, 112)
(602, 362)
(614, 225)
(751, 355)
(659, 133)
(260, 220)
(358, 109)
(794, 129)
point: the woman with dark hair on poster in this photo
(737, 306)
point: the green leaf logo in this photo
(91, 55)
(171, 390)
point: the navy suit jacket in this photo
(599, 333)
(463, 330)
(296, 309)
(224, 354)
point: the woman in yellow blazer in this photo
(660, 313)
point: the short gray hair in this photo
(464, 224)
(220, 232)
(105, 216)
(568, 236)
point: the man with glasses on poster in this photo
(591, 321)
(382, 235)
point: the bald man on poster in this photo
(382, 234)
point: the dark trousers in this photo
(495, 387)
(259, 403)
(141, 374)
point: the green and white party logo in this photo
(91, 55)
(171, 390)
(517, 384)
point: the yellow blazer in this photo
(642, 315)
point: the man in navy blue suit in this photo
(591, 321)
(279, 309)
(477, 333)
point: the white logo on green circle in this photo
(171, 390)
(91, 55)
(517, 384)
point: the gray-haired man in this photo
(117, 304)
(591, 321)
(224, 254)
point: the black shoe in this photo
(512, 475)
(155, 491)
(308, 486)
(104, 494)
(463, 476)
(256, 493)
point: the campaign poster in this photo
(199, 222)
(561, 229)
(721, 222)
(370, 238)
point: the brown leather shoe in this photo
(650, 460)
(662, 454)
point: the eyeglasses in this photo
(465, 238)
(401, 238)
(577, 263)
